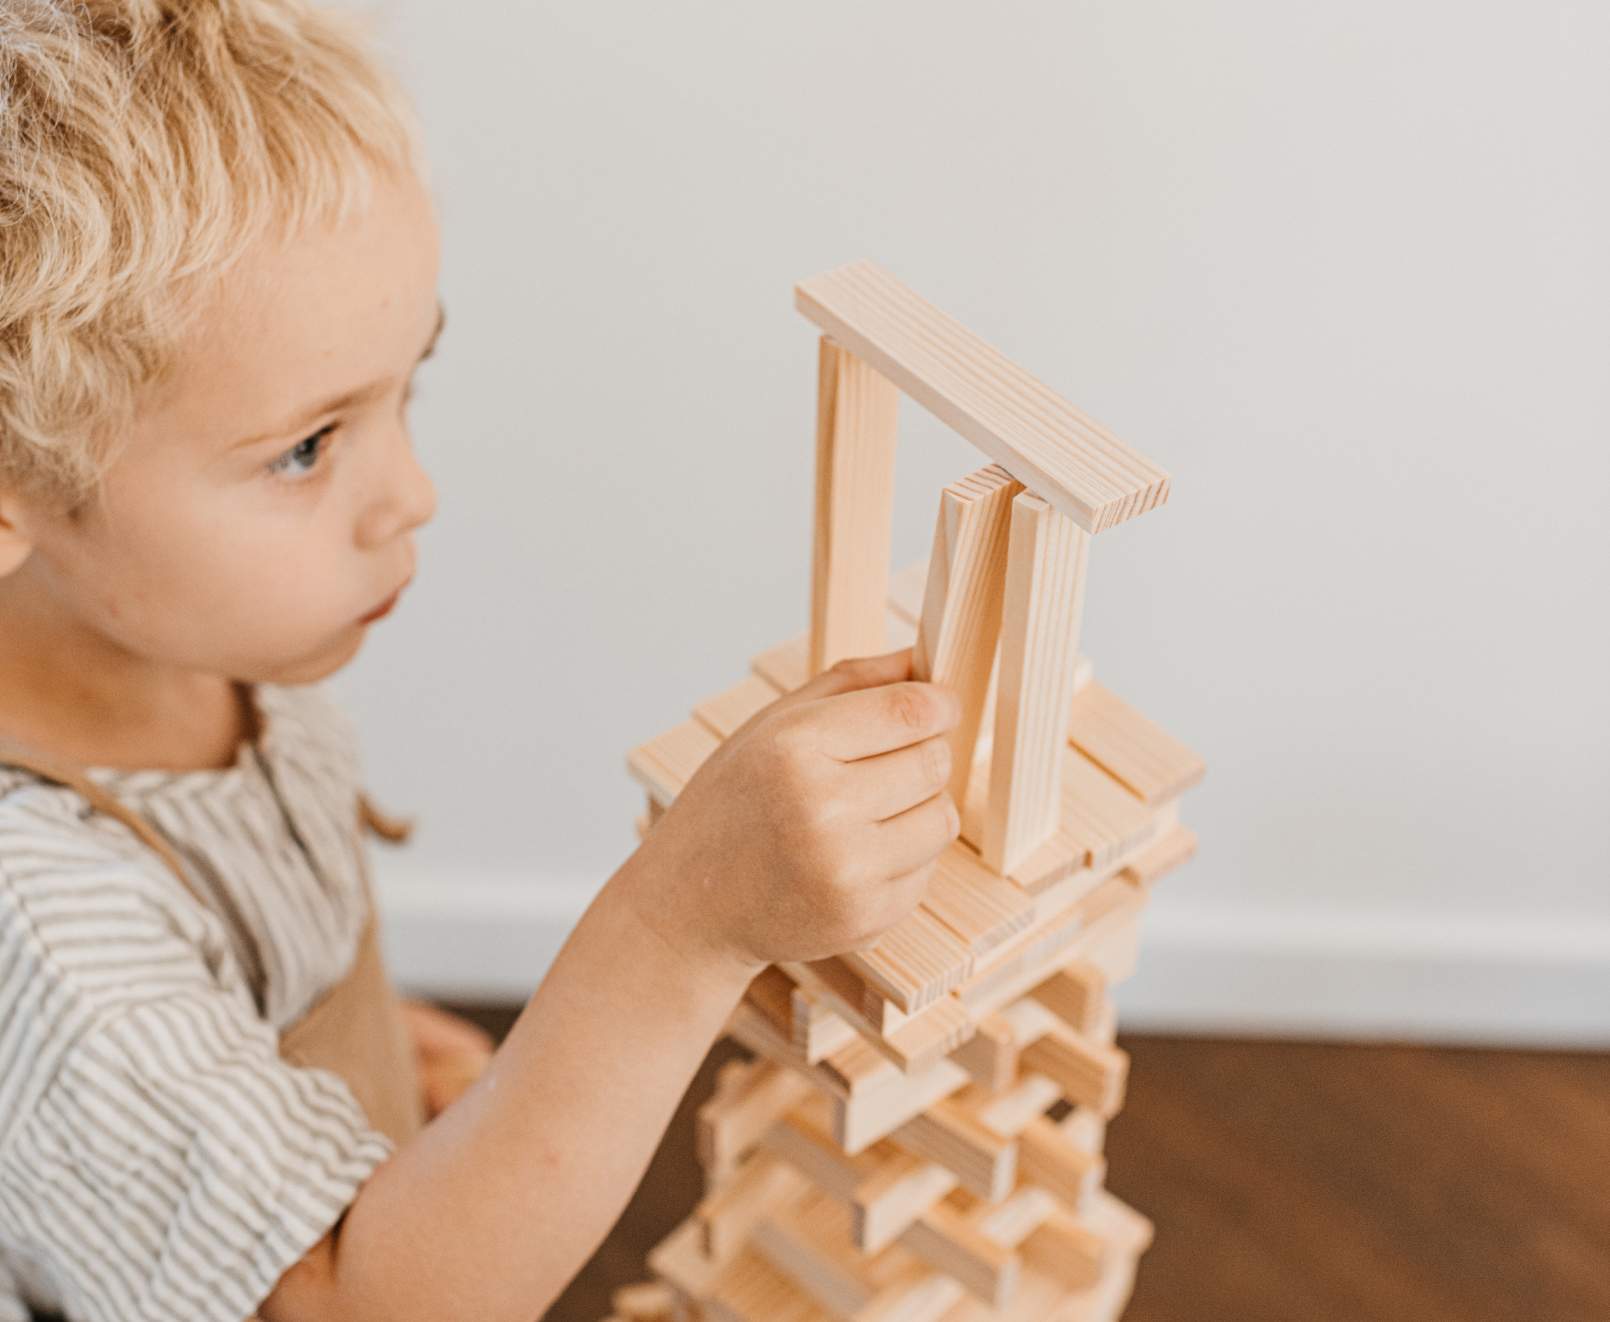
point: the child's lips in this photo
(384, 608)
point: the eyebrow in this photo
(345, 399)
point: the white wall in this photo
(1341, 268)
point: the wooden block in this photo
(1131, 748)
(1175, 848)
(817, 1030)
(855, 445)
(903, 1190)
(680, 1260)
(885, 1188)
(990, 1055)
(1100, 916)
(912, 1042)
(961, 609)
(916, 961)
(786, 666)
(1075, 995)
(1048, 1158)
(750, 1289)
(1039, 647)
(865, 1115)
(1084, 1128)
(733, 1121)
(666, 763)
(907, 588)
(982, 908)
(1089, 1074)
(1100, 816)
(947, 1241)
(723, 714)
(647, 1301)
(810, 1244)
(1037, 436)
(981, 1159)
(727, 1215)
(1012, 1222)
(1068, 1250)
(1020, 1105)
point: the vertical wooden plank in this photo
(855, 441)
(1045, 577)
(961, 608)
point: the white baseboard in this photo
(1298, 973)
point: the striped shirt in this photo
(158, 1160)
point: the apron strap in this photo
(394, 830)
(62, 773)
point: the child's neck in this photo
(103, 709)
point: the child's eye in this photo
(301, 459)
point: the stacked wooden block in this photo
(919, 1132)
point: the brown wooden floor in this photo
(1299, 1181)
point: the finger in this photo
(916, 837)
(896, 899)
(853, 673)
(867, 722)
(888, 784)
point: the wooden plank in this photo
(680, 1260)
(1039, 646)
(1036, 435)
(1099, 822)
(907, 587)
(817, 1030)
(950, 1243)
(1049, 1158)
(990, 1055)
(1089, 1074)
(1130, 747)
(735, 1119)
(868, 1114)
(724, 713)
(961, 609)
(983, 1160)
(984, 909)
(886, 1189)
(1173, 849)
(786, 666)
(727, 1214)
(1068, 1250)
(915, 962)
(750, 1289)
(855, 445)
(912, 1042)
(1075, 995)
(667, 762)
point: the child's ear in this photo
(16, 543)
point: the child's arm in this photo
(807, 833)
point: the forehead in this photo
(299, 320)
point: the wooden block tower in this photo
(919, 1133)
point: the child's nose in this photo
(405, 499)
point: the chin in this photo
(319, 665)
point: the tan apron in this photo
(356, 1029)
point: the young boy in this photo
(218, 270)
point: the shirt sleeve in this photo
(158, 1158)
(175, 1166)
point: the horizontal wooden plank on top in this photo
(1061, 455)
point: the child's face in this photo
(250, 523)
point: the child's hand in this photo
(814, 827)
(451, 1051)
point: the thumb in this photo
(850, 674)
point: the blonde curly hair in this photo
(144, 146)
